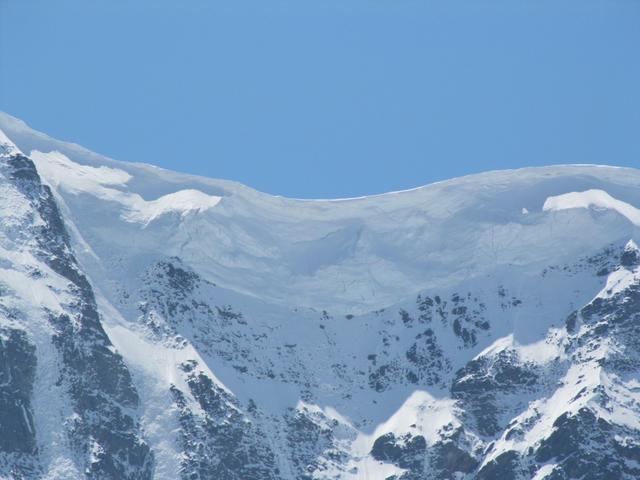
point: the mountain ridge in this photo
(339, 222)
(457, 331)
(31, 138)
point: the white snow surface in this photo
(593, 198)
(103, 182)
(352, 255)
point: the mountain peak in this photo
(631, 255)
(7, 147)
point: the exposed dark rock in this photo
(222, 443)
(104, 434)
(310, 437)
(19, 457)
(630, 257)
(586, 446)
(481, 387)
(503, 467)
(17, 372)
(407, 452)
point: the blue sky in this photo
(329, 98)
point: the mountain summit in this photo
(160, 325)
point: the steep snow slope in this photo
(483, 327)
(68, 406)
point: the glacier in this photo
(160, 325)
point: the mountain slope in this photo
(57, 360)
(484, 327)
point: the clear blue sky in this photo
(329, 98)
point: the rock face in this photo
(221, 442)
(156, 325)
(17, 430)
(102, 434)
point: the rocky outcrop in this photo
(218, 439)
(18, 445)
(102, 429)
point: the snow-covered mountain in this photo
(160, 325)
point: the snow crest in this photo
(593, 198)
(110, 184)
(7, 146)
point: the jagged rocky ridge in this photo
(154, 325)
(102, 436)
